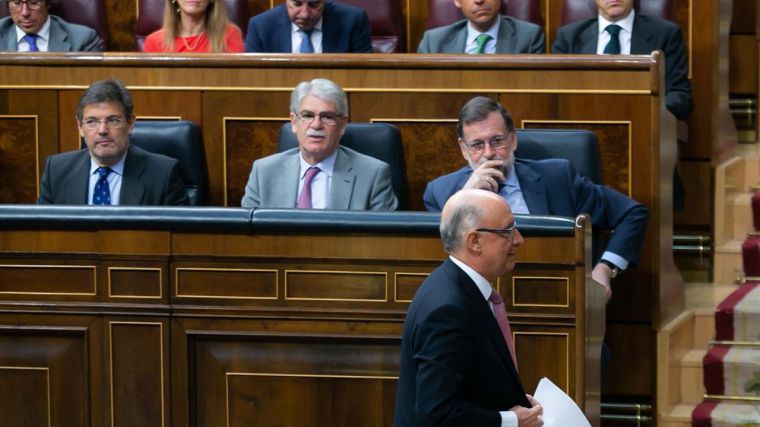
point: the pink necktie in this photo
(501, 318)
(304, 200)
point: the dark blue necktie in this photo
(31, 39)
(613, 47)
(306, 46)
(101, 195)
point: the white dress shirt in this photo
(624, 36)
(321, 183)
(113, 178)
(472, 33)
(297, 35)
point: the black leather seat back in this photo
(578, 146)
(379, 140)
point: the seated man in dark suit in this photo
(310, 26)
(483, 31)
(110, 171)
(620, 30)
(458, 362)
(547, 187)
(31, 29)
(319, 173)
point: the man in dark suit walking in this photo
(458, 365)
(620, 30)
(110, 171)
(310, 26)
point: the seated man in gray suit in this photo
(319, 174)
(110, 171)
(31, 29)
(484, 31)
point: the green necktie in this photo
(481, 40)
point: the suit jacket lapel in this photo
(132, 188)
(58, 38)
(589, 38)
(283, 30)
(9, 39)
(533, 188)
(507, 40)
(343, 179)
(77, 182)
(641, 38)
(330, 31)
(455, 42)
(285, 193)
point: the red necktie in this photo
(501, 318)
(304, 200)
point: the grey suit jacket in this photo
(359, 182)
(515, 36)
(149, 179)
(64, 37)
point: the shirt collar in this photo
(626, 23)
(117, 168)
(326, 166)
(294, 28)
(511, 179)
(43, 34)
(473, 33)
(484, 286)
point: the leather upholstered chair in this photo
(578, 146)
(443, 12)
(150, 17)
(386, 22)
(181, 140)
(90, 13)
(576, 10)
(379, 140)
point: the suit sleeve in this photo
(611, 210)
(424, 46)
(382, 197)
(678, 98)
(252, 39)
(361, 39)
(46, 192)
(561, 44)
(175, 194)
(429, 199)
(92, 43)
(443, 350)
(252, 198)
(537, 44)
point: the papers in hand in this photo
(559, 408)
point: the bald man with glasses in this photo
(319, 173)
(30, 28)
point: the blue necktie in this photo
(306, 46)
(101, 195)
(31, 39)
(613, 47)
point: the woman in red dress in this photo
(195, 26)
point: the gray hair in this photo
(477, 109)
(106, 91)
(465, 217)
(323, 89)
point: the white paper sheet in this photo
(559, 408)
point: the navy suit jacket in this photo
(553, 187)
(149, 179)
(648, 34)
(345, 29)
(456, 369)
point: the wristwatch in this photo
(615, 269)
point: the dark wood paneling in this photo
(631, 370)
(245, 141)
(18, 158)
(336, 285)
(556, 344)
(136, 282)
(743, 72)
(227, 282)
(48, 279)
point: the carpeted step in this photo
(715, 413)
(756, 210)
(737, 318)
(751, 255)
(732, 371)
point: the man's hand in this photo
(529, 417)
(602, 274)
(487, 176)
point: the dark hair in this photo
(106, 91)
(477, 109)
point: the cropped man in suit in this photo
(483, 31)
(488, 140)
(319, 173)
(310, 26)
(31, 29)
(458, 364)
(110, 171)
(634, 34)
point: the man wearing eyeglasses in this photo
(110, 171)
(488, 140)
(458, 364)
(319, 173)
(30, 28)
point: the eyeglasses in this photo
(111, 123)
(478, 146)
(31, 4)
(328, 118)
(507, 231)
